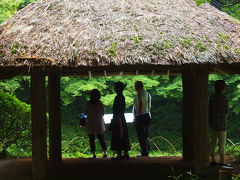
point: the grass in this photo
(233, 149)
(185, 175)
(135, 149)
(75, 144)
(74, 149)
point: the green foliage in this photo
(112, 50)
(19, 86)
(14, 48)
(233, 10)
(207, 38)
(137, 39)
(200, 46)
(186, 42)
(10, 7)
(25, 3)
(186, 175)
(72, 87)
(236, 51)
(223, 37)
(166, 91)
(230, 7)
(10, 85)
(15, 122)
(199, 2)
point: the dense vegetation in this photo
(166, 91)
(15, 131)
(167, 108)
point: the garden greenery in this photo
(15, 122)
(166, 94)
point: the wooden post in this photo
(195, 118)
(39, 125)
(187, 122)
(55, 153)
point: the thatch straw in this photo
(119, 32)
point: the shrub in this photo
(15, 122)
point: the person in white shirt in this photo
(142, 106)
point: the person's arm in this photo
(226, 107)
(140, 103)
(140, 107)
(149, 101)
(85, 110)
(210, 109)
(134, 107)
(104, 110)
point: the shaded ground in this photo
(151, 168)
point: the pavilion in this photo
(57, 38)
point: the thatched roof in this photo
(118, 33)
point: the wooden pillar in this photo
(187, 122)
(39, 125)
(195, 118)
(55, 153)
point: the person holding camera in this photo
(95, 123)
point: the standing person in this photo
(218, 114)
(119, 141)
(95, 124)
(142, 106)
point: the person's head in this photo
(119, 87)
(95, 96)
(138, 85)
(220, 86)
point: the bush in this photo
(15, 122)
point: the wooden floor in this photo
(150, 168)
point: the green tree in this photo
(15, 122)
(199, 2)
(10, 7)
(24, 3)
(19, 86)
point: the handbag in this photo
(83, 119)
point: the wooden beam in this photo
(195, 118)
(223, 70)
(55, 153)
(39, 125)
(32, 59)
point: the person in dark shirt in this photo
(218, 114)
(120, 140)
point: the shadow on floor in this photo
(150, 168)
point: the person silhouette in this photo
(141, 108)
(119, 140)
(218, 114)
(95, 124)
